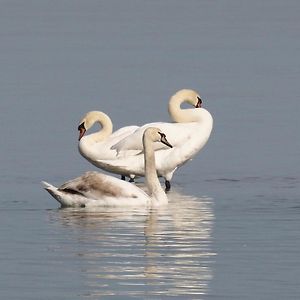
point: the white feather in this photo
(122, 151)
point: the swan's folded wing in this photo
(94, 185)
(119, 135)
(123, 132)
(176, 133)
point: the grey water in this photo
(231, 228)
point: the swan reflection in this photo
(164, 251)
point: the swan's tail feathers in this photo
(53, 191)
(50, 188)
(47, 185)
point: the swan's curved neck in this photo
(154, 188)
(178, 114)
(105, 131)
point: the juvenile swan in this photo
(98, 145)
(96, 189)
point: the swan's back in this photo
(96, 189)
(96, 185)
(178, 133)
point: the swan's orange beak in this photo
(199, 103)
(81, 130)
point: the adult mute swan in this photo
(96, 189)
(187, 138)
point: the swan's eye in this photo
(162, 135)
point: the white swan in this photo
(98, 145)
(96, 189)
(187, 139)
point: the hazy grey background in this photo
(60, 59)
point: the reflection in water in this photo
(161, 252)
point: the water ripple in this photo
(162, 252)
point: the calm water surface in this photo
(93, 253)
(231, 229)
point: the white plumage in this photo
(121, 152)
(187, 138)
